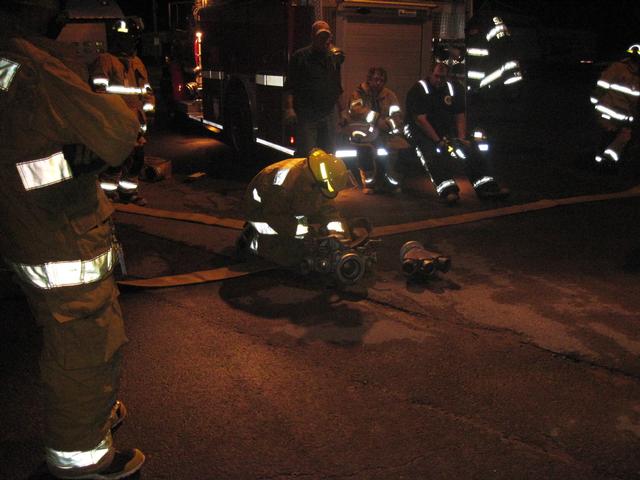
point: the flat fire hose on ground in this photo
(203, 276)
(182, 216)
(247, 268)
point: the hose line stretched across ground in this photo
(247, 268)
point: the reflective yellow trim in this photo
(270, 80)
(122, 90)
(612, 113)
(8, 70)
(101, 81)
(66, 274)
(302, 228)
(128, 185)
(281, 176)
(498, 31)
(335, 226)
(44, 171)
(450, 87)
(478, 52)
(347, 153)
(633, 47)
(482, 181)
(79, 459)
(325, 177)
(475, 75)
(263, 228)
(371, 116)
(108, 186)
(122, 27)
(445, 184)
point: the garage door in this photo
(397, 47)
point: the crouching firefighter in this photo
(56, 236)
(292, 220)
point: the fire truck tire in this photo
(238, 123)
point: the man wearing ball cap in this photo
(313, 90)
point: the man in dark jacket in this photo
(313, 90)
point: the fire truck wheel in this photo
(238, 124)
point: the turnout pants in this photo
(616, 142)
(378, 162)
(80, 362)
(124, 178)
(438, 162)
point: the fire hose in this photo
(248, 268)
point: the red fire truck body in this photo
(242, 49)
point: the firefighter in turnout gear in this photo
(56, 235)
(437, 129)
(289, 205)
(616, 104)
(375, 108)
(490, 56)
(121, 72)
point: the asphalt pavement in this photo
(519, 363)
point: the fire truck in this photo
(241, 48)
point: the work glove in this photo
(81, 159)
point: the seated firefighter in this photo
(436, 127)
(292, 220)
(375, 123)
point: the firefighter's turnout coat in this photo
(55, 231)
(127, 77)
(383, 111)
(616, 96)
(281, 203)
(385, 103)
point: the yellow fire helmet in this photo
(329, 171)
(634, 49)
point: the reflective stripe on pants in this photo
(65, 274)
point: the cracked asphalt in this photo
(519, 363)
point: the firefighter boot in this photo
(109, 185)
(114, 465)
(128, 192)
(367, 179)
(492, 191)
(450, 195)
(451, 198)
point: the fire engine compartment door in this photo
(402, 46)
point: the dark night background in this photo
(616, 22)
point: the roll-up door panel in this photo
(397, 47)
